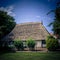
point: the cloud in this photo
(8, 9)
(38, 16)
(2, 9)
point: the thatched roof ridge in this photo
(27, 23)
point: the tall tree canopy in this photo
(56, 22)
(7, 23)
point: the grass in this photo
(31, 56)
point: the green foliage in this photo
(7, 47)
(31, 43)
(51, 43)
(6, 24)
(19, 44)
(56, 22)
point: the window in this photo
(24, 44)
(43, 42)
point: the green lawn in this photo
(30, 56)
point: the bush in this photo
(11, 48)
(31, 44)
(52, 43)
(18, 44)
(7, 48)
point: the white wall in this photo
(59, 40)
(38, 44)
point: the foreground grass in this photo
(31, 56)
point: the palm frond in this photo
(50, 12)
(50, 24)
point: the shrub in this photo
(52, 43)
(31, 43)
(8, 48)
(11, 48)
(18, 44)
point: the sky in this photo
(30, 10)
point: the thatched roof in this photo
(34, 30)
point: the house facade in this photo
(34, 30)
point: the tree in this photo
(52, 43)
(31, 43)
(56, 22)
(7, 23)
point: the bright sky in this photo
(30, 10)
